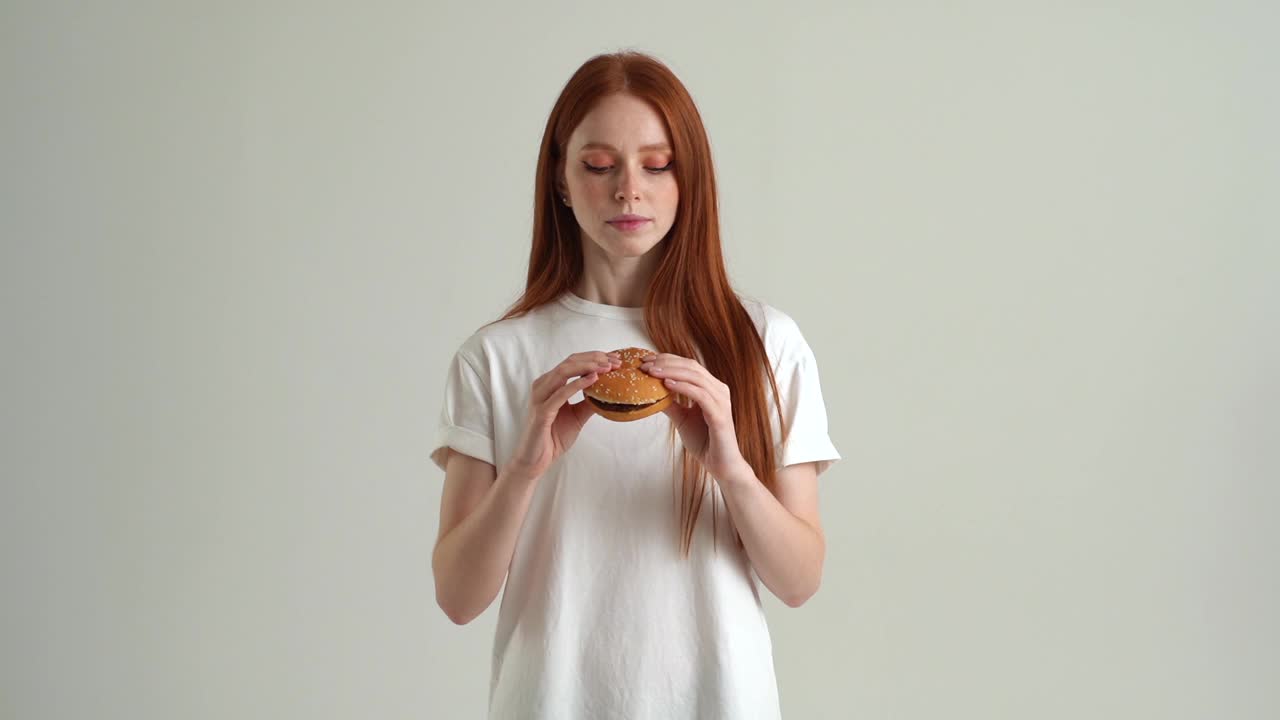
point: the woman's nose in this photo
(628, 189)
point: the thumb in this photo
(580, 411)
(675, 411)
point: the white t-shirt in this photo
(601, 615)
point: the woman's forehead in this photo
(620, 124)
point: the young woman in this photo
(630, 551)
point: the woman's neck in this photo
(623, 282)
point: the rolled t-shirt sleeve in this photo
(802, 404)
(466, 418)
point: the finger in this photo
(561, 396)
(698, 376)
(574, 366)
(581, 363)
(705, 401)
(676, 411)
(582, 411)
(662, 359)
(672, 360)
(577, 365)
(667, 360)
(681, 415)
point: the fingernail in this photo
(649, 358)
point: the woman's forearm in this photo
(786, 552)
(470, 562)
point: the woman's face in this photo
(618, 162)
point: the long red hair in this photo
(690, 308)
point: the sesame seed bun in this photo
(628, 393)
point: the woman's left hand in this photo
(706, 428)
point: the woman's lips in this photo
(629, 225)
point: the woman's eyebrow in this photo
(606, 146)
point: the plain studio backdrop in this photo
(1034, 248)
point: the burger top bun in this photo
(629, 385)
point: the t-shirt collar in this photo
(581, 305)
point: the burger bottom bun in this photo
(633, 415)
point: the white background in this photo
(1033, 247)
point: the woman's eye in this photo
(594, 169)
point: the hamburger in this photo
(628, 393)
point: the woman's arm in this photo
(783, 534)
(481, 515)
(480, 519)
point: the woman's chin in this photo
(629, 248)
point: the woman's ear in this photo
(562, 187)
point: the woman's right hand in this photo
(552, 423)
